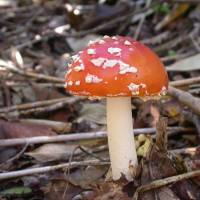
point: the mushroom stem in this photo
(120, 138)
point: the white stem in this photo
(120, 137)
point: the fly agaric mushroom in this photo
(118, 68)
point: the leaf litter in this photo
(36, 39)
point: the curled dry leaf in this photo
(52, 152)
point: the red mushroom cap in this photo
(116, 66)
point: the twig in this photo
(186, 98)
(42, 85)
(166, 181)
(195, 119)
(189, 150)
(15, 157)
(177, 57)
(45, 109)
(184, 1)
(26, 172)
(185, 82)
(34, 104)
(156, 39)
(172, 43)
(141, 22)
(11, 67)
(81, 136)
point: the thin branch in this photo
(26, 172)
(81, 136)
(166, 181)
(186, 98)
(189, 150)
(185, 82)
(35, 104)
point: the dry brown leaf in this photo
(93, 112)
(57, 126)
(51, 152)
(20, 130)
(60, 189)
(85, 176)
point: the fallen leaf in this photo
(93, 112)
(10, 129)
(148, 114)
(77, 44)
(187, 64)
(60, 189)
(88, 175)
(52, 152)
(57, 126)
(111, 190)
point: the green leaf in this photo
(171, 53)
(16, 191)
(162, 8)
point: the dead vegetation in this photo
(69, 157)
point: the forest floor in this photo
(37, 39)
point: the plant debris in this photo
(53, 145)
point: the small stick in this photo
(17, 156)
(34, 104)
(189, 150)
(10, 66)
(24, 84)
(37, 170)
(186, 98)
(166, 181)
(45, 109)
(80, 136)
(185, 82)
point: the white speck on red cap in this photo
(163, 91)
(114, 38)
(75, 57)
(79, 68)
(134, 88)
(109, 63)
(92, 79)
(97, 61)
(70, 83)
(125, 68)
(143, 85)
(101, 41)
(127, 42)
(106, 36)
(77, 83)
(91, 51)
(113, 50)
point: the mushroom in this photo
(118, 68)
